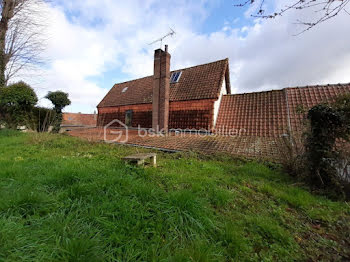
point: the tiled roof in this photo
(262, 114)
(77, 119)
(300, 99)
(273, 113)
(242, 146)
(198, 82)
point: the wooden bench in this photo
(140, 158)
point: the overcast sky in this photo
(93, 44)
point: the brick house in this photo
(200, 97)
(185, 98)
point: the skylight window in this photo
(124, 89)
(175, 77)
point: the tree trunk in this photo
(6, 15)
(58, 121)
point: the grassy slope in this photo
(62, 199)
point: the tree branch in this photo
(24, 41)
(327, 9)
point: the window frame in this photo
(175, 77)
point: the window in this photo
(175, 77)
(124, 89)
(128, 117)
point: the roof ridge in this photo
(190, 67)
(255, 92)
(136, 79)
(296, 87)
(317, 85)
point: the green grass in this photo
(63, 199)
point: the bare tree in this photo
(21, 37)
(325, 9)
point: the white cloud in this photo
(101, 35)
(75, 53)
(268, 55)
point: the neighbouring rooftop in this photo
(78, 119)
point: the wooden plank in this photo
(140, 158)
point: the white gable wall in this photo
(218, 102)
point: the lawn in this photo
(64, 199)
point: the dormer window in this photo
(124, 89)
(175, 77)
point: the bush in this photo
(327, 125)
(19, 95)
(291, 150)
(16, 103)
(322, 156)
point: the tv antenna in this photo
(171, 33)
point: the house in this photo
(200, 98)
(187, 98)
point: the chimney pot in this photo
(166, 48)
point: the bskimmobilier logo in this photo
(118, 132)
(116, 136)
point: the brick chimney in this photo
(161, 90)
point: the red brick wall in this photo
(142, 115)
(195, 114)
